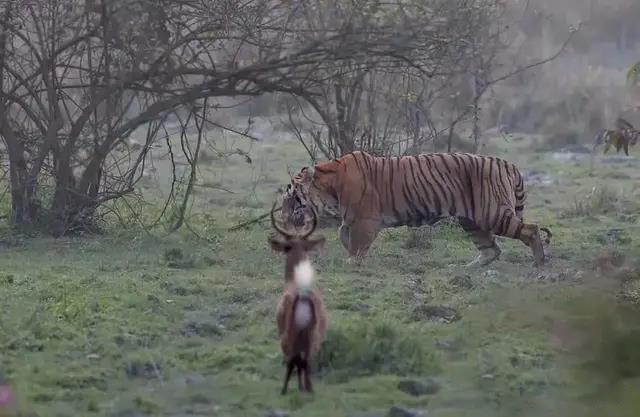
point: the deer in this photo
(301, 316)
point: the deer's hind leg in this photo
(290, 365)
(304, 364)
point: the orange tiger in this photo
(486, 195)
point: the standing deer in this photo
(301, 315)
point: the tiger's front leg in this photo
(344, 231)
(344, 236)
(361, 235)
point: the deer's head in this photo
(294, 247)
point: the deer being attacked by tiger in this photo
(301, 315)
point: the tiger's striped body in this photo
(486, 194)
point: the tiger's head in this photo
(310, 190)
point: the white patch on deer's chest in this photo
(303, 275)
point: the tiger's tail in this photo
(521, 199)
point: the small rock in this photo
(93, 356)
(488, 376)
(576, 149)
(538, 178)
(440, 313)
(130, 413)
(417, 388)
(615, 236)
(617, 159)
(200, 399)
(146, 370)
(449, 345)
(368, 414)
(490, 273)
(193, 379)
(202, 329)
(567, 156)
(462, 281)
(400, 411)
(276, 413)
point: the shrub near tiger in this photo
(485, 194)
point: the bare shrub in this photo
(419, 238)
(79, 82)
(414, 106)
(600, 200)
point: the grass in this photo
(132, 324)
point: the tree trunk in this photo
(24, 205)
(72, 208)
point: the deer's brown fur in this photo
(301, 315)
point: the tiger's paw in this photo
(485, 258)
(480, 261)
(541, 263)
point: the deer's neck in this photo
(293, 260)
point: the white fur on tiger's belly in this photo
(302, 315)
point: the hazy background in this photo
(126, 290)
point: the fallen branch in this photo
(250, 222)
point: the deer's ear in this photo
(279, 245)
(313, 244)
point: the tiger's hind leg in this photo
(483, 240)
(530, 236)
(510, 225)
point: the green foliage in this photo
(633, 75)
(384, 346)
(600, 339)
(419, 238)
(175, 258)
(132, 324)
(600, 201)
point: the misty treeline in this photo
(570, 100)
(80, 78)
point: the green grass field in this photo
(132, 323)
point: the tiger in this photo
(485, 194)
